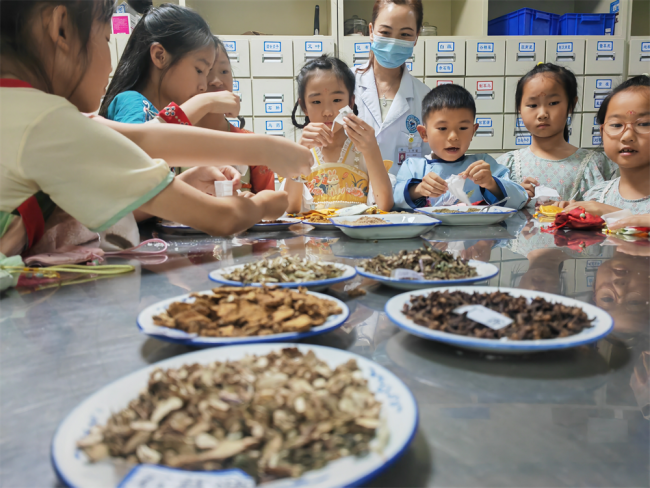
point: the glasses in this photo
(614, 129)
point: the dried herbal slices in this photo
(286, 269)
(453, 211)
(248, 311)
(539, 319)
(438, 265)
(366, 221)
(272, 416)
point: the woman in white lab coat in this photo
(388, 97)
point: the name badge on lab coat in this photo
(403, 153)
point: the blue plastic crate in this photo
(587, 24)
(524, 22)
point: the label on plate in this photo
(153, 476)
(483, 315)
(405, 274)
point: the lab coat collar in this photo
(369, 96)
(400, 105)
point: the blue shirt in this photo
(131, 107)
(414, 169)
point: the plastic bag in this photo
(338, 121)
(545, 194)
(455, 184)
(612, 217)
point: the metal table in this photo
(572, 418)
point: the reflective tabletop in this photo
(576, 417)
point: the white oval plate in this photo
(602, 325)
(286, 223)
(146, 325)
(348, 273)
(176, 227)
(399, 409)
(321, 226)
(402, 226)
(492, 216)
(485, 272)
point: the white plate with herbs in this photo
(395, 226)
(220, 276)
(283, 223)
(601, 325)
(398, 420)
(459, 214)
(485, 271)
(145, 323)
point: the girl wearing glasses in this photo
(546, 98)
(624, 119)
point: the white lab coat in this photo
(393, 133)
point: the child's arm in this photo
(180, 145)
(363, 137)
(642, 220)
(223, 102)
(592, 207)
(294, 191)
(412, 187)
(495, 183)
(222, 216)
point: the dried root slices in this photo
(248, 311)
(273, 416)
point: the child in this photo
(55, 62)
(254, 178)
(448, 113)
(624, 119)
(546, 96)
(348, 168)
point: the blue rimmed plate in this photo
(485, 272)
(349, 272)
(146, 325)
(399, 413)
(397, 226)
(602, 324)
(491, 216)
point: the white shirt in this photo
(404, 116)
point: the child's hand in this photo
(360, 133)
(562, 203)
(225, 102)
(431, 185)
(273, 203)
(529, 185)
(287, 158)
(203, 177)
(642, 220)
(481, 174)
(592, 207)
(316, 134)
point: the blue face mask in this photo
(391, 53)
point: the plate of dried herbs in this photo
(499, 320)
(424, 268)
(242, 315)
(468, 215)
(285, 272)
(385, 226)
(282, 223)
(281, 415)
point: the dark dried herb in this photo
(539, 319)
(438, 265)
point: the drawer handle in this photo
(526, 56)
(274, 133)
(606, 57)
(274, 97)
(310, 56)
(446, 57)
(233, 57)
(565, 57)
(483, 57)
(485, 132)
(644, 58)
(521, 132)
(272, 57)
(595, 131)
(485, 95)
(601, 94)
(360, 57)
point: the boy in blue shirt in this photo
(448, 113)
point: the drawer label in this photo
(523, 140)
(596, 121)
(565, 47)
(484, 121)
(613, 7)
(485, 47)
(484, 85)
(273, 125)
(235, 122)
(314, 47)
(594, 263)
(230, 45)
(273, 108)
(409, 65)
(235, 85)
(445, 47)
(605, 46)
(444, 82)
(444, 68)
(526, 47)
(361, 47)
(645, 47)
(272, 46)
(520, 122)
(604, 84)
(596, 140)
(598, 102)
